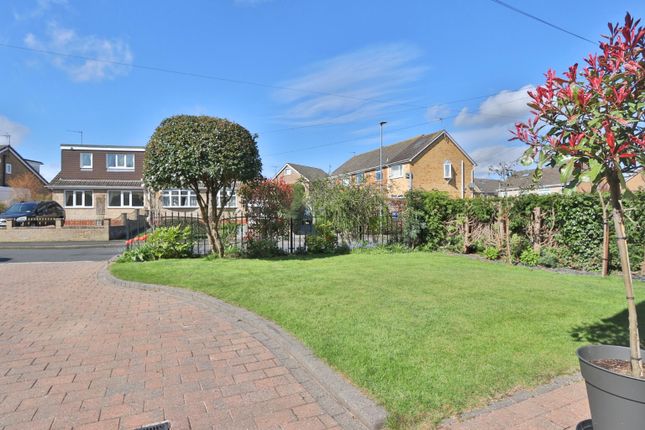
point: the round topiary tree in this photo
(206, 155)
(591, 125)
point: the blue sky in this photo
(327, 72)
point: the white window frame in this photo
(91, 166)
(345, 181)
(288, 171)
(122, 192)
(360, 177)
(76, 204)
(8, 168)
(232, 202)
(394, 175)
(447, 169)
(117, 166)
(178, 194)
(378, 174)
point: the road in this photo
(59, 252)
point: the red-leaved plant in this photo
(590, 125)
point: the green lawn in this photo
(426, 335)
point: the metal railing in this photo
(288, 234)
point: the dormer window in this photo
(447, 169)
(86, 160)
(120, 161)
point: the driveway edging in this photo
(318, 378)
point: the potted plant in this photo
(590, 125)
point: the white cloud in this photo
(65, 40)
(16, 130)
(489, 146)
(437, 112)
(501, 108)
(382, 73)
(39, 9)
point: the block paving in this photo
(558, 409)
(78, 353)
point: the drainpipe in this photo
(462, 180)
(4, 170)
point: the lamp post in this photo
(380, 168)
(380, 156)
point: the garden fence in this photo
(237, 230)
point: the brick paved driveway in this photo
(77, 353)
(561, 408)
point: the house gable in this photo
(19, 165)
(441, 156)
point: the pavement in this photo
(30, 252)
(561, 405)
(79, 352)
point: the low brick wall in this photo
(55, 233)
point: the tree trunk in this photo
(217, 238)
(621, 241)
(216, 213)
(466, 234)
(605, 236)
(203, 208)
(537, 228)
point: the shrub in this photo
(163, 242)
(262, 248)
(491, 253)
(136, 254)
(228, 233)
(232, 251)
(549, 257)
(170, 242)
(323, 241)
(350, 209)
(519, 244)
(529, 257)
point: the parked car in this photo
(33, 213)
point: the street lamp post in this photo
(380, 169)
(380, 156)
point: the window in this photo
(360, 177)
(346, 182)
(125, 199)
(232, 203)
(287, 172)
(378, 175)
(78, 199)
(86, 160)
(178, 199)
(396, 171)
(8, 168)
(120, 161)
(447, 169)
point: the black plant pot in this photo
(617, 402)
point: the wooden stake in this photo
(605, 236)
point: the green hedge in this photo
(571, 233)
